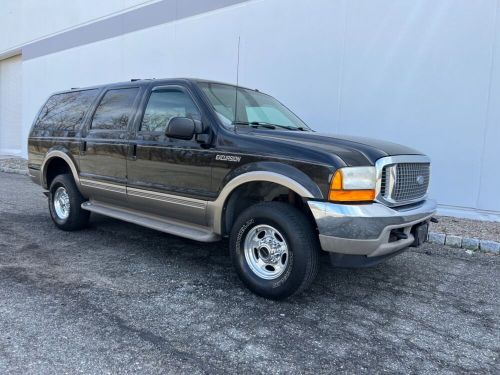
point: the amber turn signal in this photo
(351, 195)
(338, 192)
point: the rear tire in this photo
(65, 203)
(274, 249)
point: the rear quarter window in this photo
(65, 111)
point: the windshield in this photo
(240, 106)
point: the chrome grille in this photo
(383, 183)
(403, 182)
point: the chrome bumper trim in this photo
(365, 229)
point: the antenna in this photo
(237, 80)
(238, 62)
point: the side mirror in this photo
(180, 128)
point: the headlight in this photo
(353, 184)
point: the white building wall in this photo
(11, 98)
(420, 72)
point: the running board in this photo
(178, 228)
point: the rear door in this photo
(166, 176)
(103, 152)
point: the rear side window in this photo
(65, 111)
(115, 109)
(163, 105)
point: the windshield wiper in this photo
(255, 124)
(267, 125)
(292, 127)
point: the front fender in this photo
(281, 174)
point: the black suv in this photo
(206, 160)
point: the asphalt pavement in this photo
(119, 298)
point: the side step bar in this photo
(178, 228)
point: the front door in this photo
(104, 147)
(166, 176)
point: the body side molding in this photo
(116, 188)
(168, 198)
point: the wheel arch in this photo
(54, 157)
(301, 185)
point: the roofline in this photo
(145, 81)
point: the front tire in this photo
(274, 249)
(65, 203)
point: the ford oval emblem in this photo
(420, 180)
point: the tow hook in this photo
(400, 235)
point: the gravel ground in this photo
(13, 165)
(486, 230)
(118, 298)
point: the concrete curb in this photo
(467, 243)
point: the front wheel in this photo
(274, 249)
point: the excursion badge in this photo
(231, 158)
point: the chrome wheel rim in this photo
(61, 203)
(266, 252)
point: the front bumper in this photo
(365, 229)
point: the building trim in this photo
(10, 53)
(150, 15)
(468, 212)
(14, 152)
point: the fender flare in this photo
(216, 208)
(58, 154)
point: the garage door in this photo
(11, 105)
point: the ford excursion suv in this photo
(206, 160)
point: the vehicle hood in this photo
(354, 151)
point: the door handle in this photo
(133, 152)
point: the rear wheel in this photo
(274, 249)
(65, 204)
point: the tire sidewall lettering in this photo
(244, 229)
(283, 278)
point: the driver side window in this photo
(165, 104)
